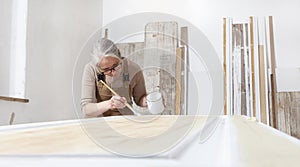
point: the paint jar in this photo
(155, 103)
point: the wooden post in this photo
(262, 80)
(273, 113)
(185, 67)
(252, 65)
(224, 67)
(14, 99)
(179, 57)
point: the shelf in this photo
(14, 99)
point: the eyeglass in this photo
(115, 67)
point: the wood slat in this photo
(252, 66)
(289, 113)
(224, 66)
(161, 41)
(184, 41)
(179, 91)
(14, 99)
(273, 114)
(262, 83)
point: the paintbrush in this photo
(116, 94)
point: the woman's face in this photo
(110, 66)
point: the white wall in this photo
(57, 30)
(5, 32)
(207, 16)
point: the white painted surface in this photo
(236, 141)
(56, 32)
(288, 79)
(18, 49)
(13, 47)
(5, 42)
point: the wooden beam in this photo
(179, 58)
(262, 85)
(14, 99)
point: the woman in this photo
(121, 74)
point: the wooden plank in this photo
(230, 69)
(262, 83)
(184, 42)
(224, 67)
(134, 51)
(179, 91)
(80, 136)
(247, 69)
(289, 113)
(273, 113)
(14, 99)
(283, 112)
(237, 68)
(252, 66)
(185, 68)
(67, 141)
(243, 72)
(161, 41)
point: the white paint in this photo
(18, 49)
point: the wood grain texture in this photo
(97, 135)
(161, 41)
(273, 113)
(179, 91)
(288, 113)
(248, 142)
(134, 51)
(262, 83)
(14, 99)
(252, 66)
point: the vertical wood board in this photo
(161, 41)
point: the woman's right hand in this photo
(117, 102)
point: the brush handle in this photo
(116, 94)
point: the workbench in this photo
(148, 141)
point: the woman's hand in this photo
(117, 102)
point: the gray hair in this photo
(104, 47)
